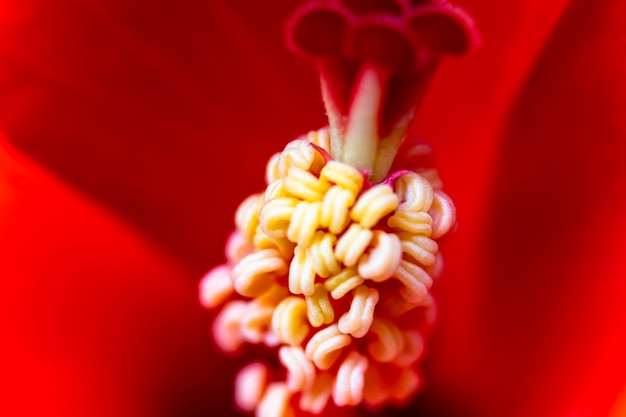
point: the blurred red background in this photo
(132, 129)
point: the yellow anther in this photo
(276, 189)
(273, 296)
(443, 213)
(421, 248)
(275, 216)
(436, 270)
(238, 246)
(340, 284)
(322, 254)
(416, 282)
(289, 321)
(227, 326)
(373, 205)
(305, 185)
(301, 273)
(283, 245)
(344, 175)
(320, 138)
(315, 399)
(358, 319)
(348, 387)
(255, 322)
(304, 223)
(257, 272)
(300, 370)
(275, 401)
(326, 345)
(414, 193)
(382, 260)
(411, 221)
(298, 153)
(249, 386)
(272, 171)
(216, 286)
(389, 341)
(247, 215)
(412, 348)
(257, 316)
(319, 309)
(336, 209)
(352, 244)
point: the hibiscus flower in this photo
(132, 130)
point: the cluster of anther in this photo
(332, 274)
(404, 39)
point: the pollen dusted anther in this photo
(329, 270)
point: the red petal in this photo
(140, 106)
(95, 319)
(557, 227)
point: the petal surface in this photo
(95, 319)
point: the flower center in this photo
(330, 268)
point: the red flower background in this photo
(131, 130)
